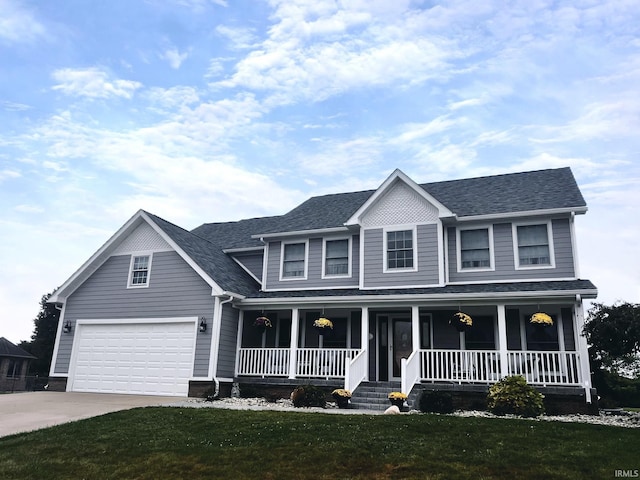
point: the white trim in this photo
(492, 258)
(361, 258)
(445, 241)
(306, 260)
(525, 213)
(385, 250)
(574, 245)
(442, 275)
(516, 247)
(56, 346)
(243, 249)
(297, 233)
(515, 280)
(135, 255)
(301, 289)
(349, 257)
(249, 272)
(122, 321)
(265, 266)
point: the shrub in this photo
(435, 401)
(308, 396)
(512, 395)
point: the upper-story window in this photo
(475, 249)
(400, 250)
(294, 257)
(139, 270)
(534, 246)
(336, 257)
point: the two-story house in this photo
(162, 310)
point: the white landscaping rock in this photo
(392, 410)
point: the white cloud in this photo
(240, 37)
(93, 83)
(174, 57)
(18, 25)
(15, 107)
(9, 173)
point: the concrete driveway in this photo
(23, 412)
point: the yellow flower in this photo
(323, 323)
(397, 396)
(341, 392)
(541, 319)
(463, 318)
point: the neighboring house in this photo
(161, 310)
(14, 365)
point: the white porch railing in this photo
(546, 368)
(460, 366)
(356, 371)
(264, 362)
(323, 362)
(483, 366)
(310, 362)
(410, 372)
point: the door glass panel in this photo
(402, 346)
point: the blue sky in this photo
(215, 110)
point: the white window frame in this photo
(492, 260)
(130, 283)
(516, 246)
(324, 257)
(400, 228)
(306, 260)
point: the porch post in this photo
(582, 348)
(293, 346)
(415, 328)
(364, 334)
(239, 340)
(502, 340)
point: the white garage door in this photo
(136, 358)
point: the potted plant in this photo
(398, 399)
(461, 321)
(262, 323)
(323, 325)
(342, 397)
(541, 318)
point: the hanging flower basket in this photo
(323, 325)
(342, 397)
(541, 318)
(262, 323)
(461, 321)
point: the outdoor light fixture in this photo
(203, 324)
(66, 328)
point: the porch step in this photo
(373, 395)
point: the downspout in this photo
(217, 321)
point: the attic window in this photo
(139, 271)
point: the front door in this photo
(400, 345)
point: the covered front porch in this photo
(416, 344)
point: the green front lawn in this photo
(183, 443)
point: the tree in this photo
(43, 338)
(614, 335)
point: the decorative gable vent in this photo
(400, 205)
(143, 239)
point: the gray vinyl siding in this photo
(175, 290)
(314, 268)
(228, 342)
(252, 262)
(427, 272)
(504, 256)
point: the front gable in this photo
(399, 200)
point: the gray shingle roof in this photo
(499, 194)
(557, 286)
(8, 349)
